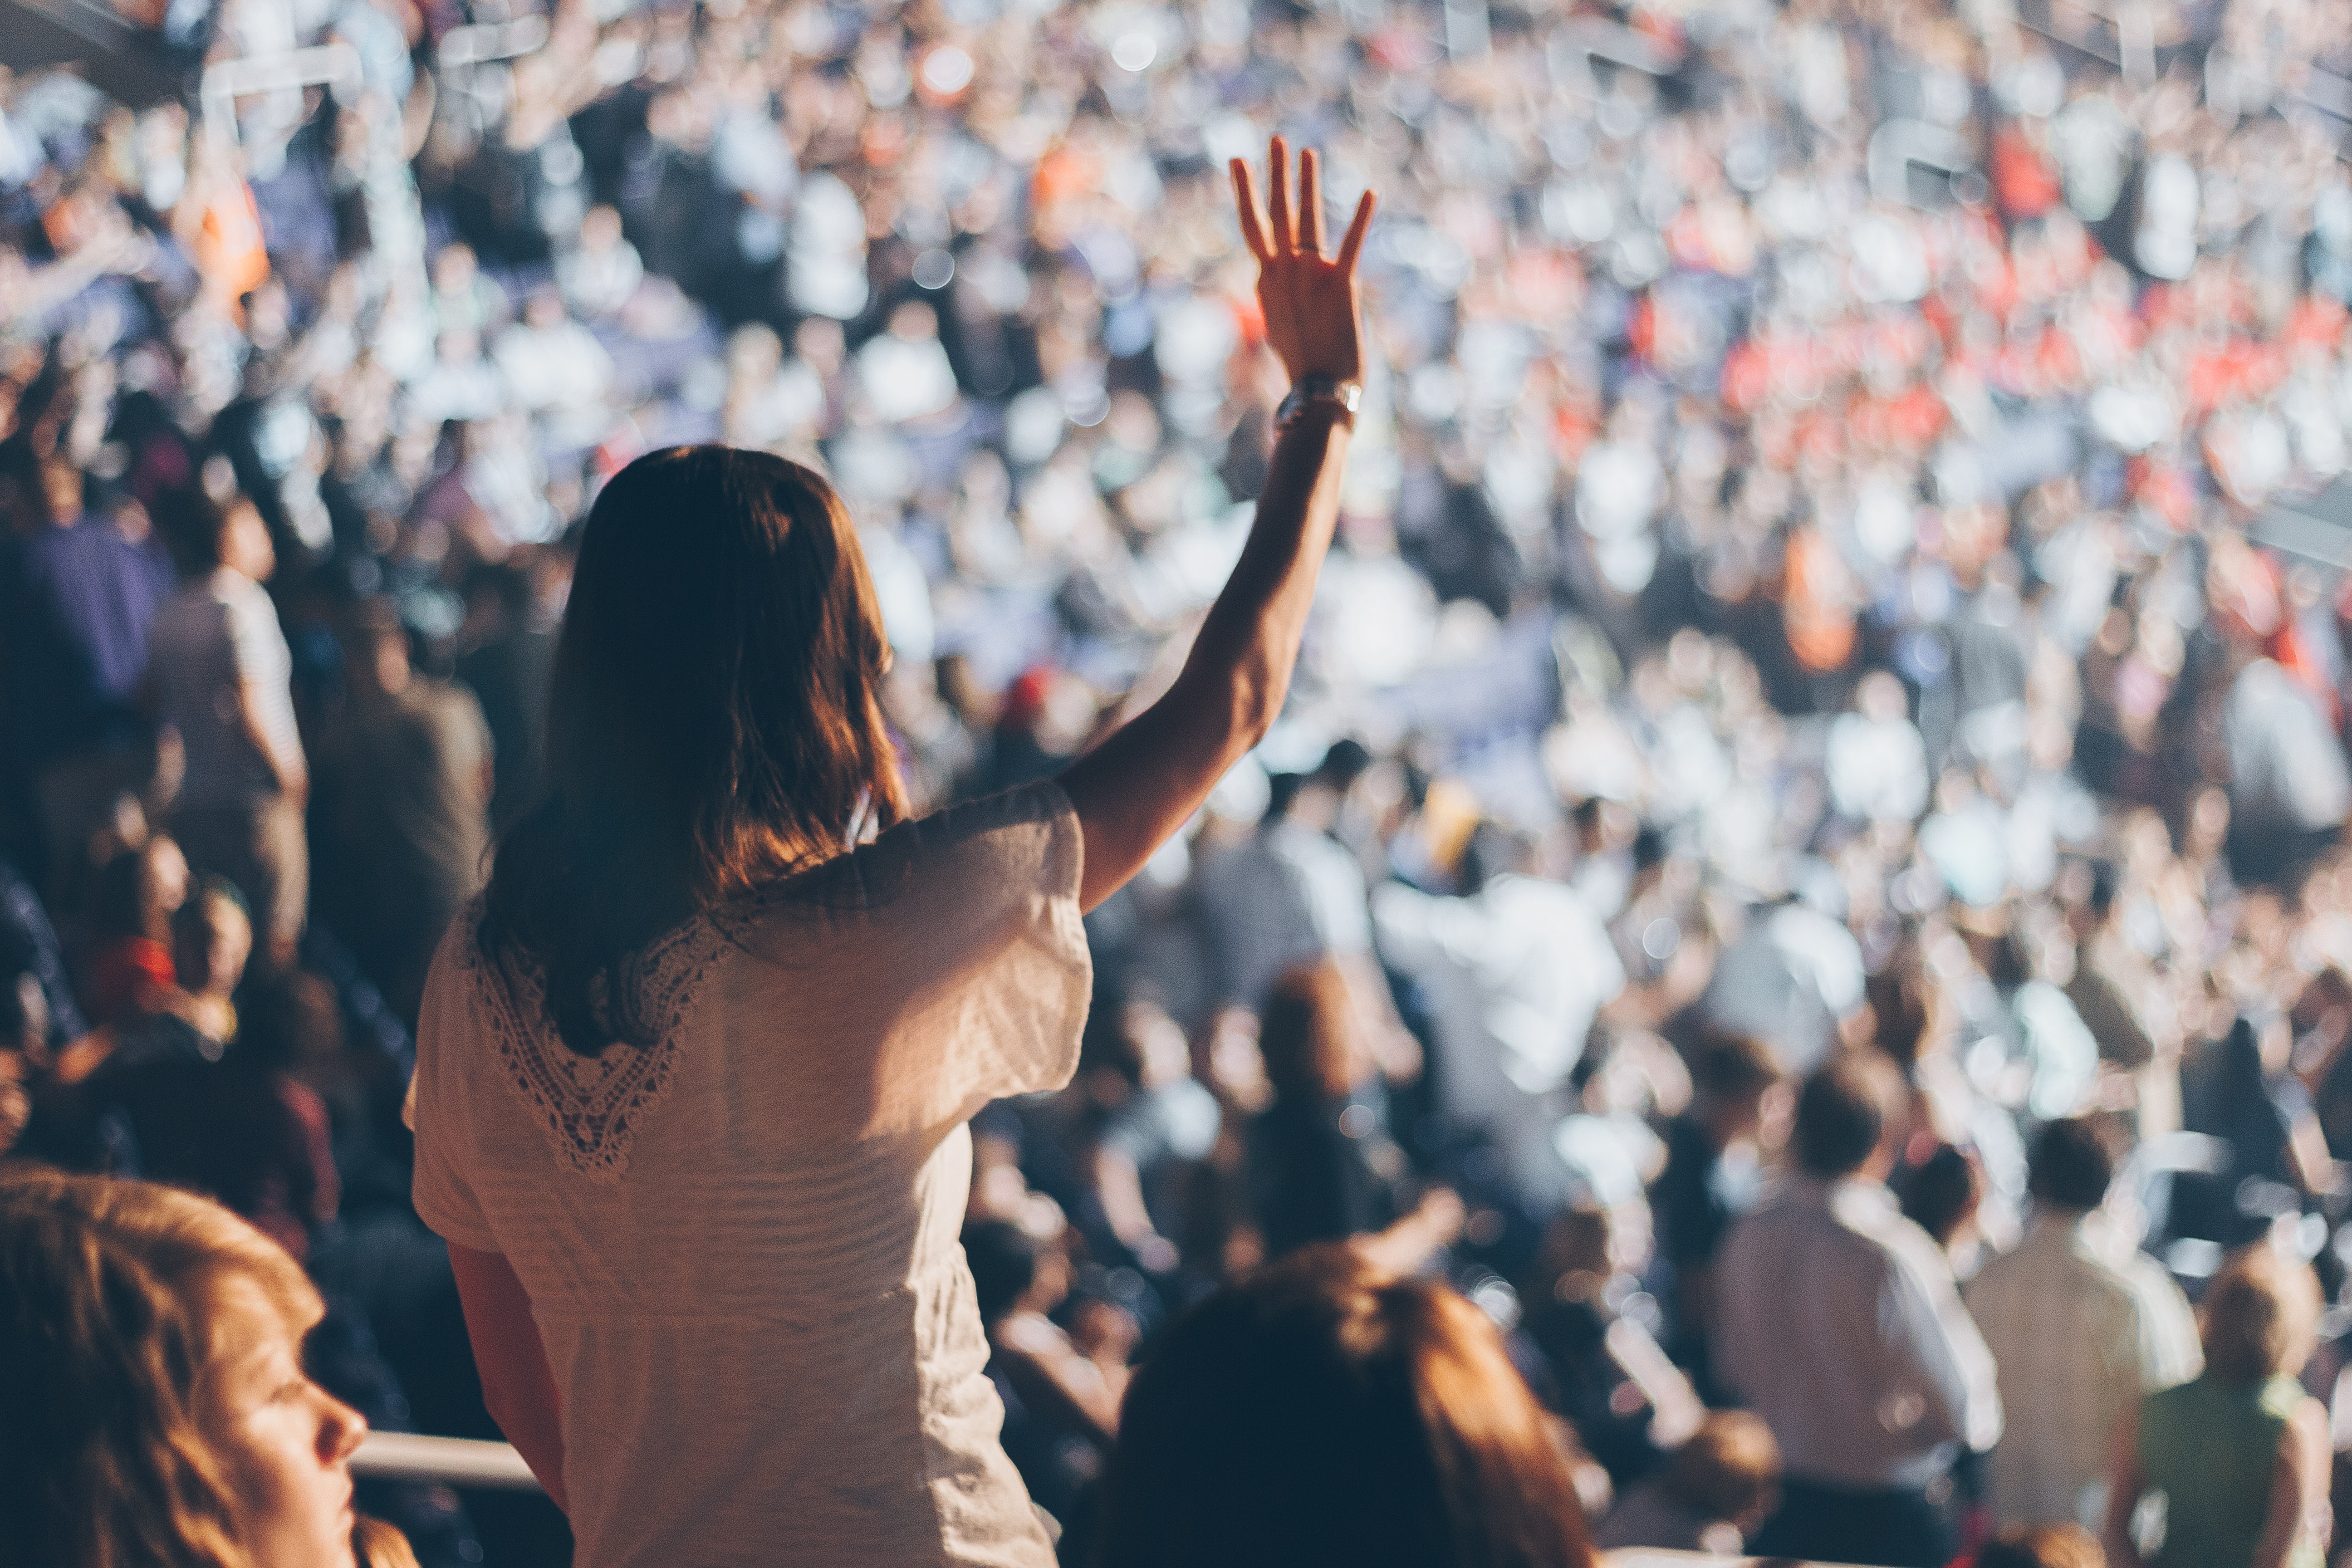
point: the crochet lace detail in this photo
(591, 1108)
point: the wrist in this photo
(1336, 398)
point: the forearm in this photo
(1142, 784)
(1243, 658)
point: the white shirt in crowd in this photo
(1788, 982)
(1841, 1328)
(1877, 768)
(2286, 769)
(2081, 1323)
(1516, 973)
(740, 1243)
(215, 635)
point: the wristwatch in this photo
(1343, 395)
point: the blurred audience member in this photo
(1839, 1323)
(2080, 1323)
(2240, 1455)
(403, 781)
(1714, 1174)
(78, 598)
(223, 671)
(1517, 968)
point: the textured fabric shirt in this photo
(740, 1243)
(1840, 1325)
(2081, 1325)
(217, 637)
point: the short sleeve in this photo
(999, 916)
(436, 1104)
(957, 940)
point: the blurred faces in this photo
(284, 1443)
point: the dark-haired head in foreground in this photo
(715, 720)
(1327, 1413)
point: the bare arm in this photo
(1136, 789)
(2125, 1484)
(1118, 1187)
(516, 1384)
(2298, 1489)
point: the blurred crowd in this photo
(1834, 590)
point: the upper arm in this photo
(497, 1313)
(1135, 790)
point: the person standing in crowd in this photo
(1714, 1174)
(224, 679)
(77, 598)
(2080, 1323)
(692, 1086)
(404, 790)
(2240, 1455)
(1288, 894)
(1518, 968)
(130, 971)
(1838, 1323)
(505, 657)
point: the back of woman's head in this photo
(2260, 1315)
(107, 1333)
(1305, 1035)
(1328, 1412)
(714, 718)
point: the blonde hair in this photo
(2261, 1315)
(109, 1324)
(375, 1544)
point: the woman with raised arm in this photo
(692, 1076)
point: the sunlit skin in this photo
(284, 1443)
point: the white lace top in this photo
(740, 1244)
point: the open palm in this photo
(1309, 299)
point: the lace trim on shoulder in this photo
(592, 1108)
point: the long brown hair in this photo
(715, 720)
(1326, 1413)
(107, 1331)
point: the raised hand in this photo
(1309, 299)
